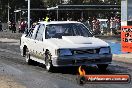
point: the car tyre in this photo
(27, 57)
(48, 63)
(102, 67)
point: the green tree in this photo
(17, 4)
(51, 3)
(75, 2)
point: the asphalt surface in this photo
(13, 65)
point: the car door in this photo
(28, 40)
(38, 42)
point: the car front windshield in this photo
(69, 29)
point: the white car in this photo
(64, 43)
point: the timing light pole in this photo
(28, 15)
(8, 14)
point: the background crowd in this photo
(109, 26)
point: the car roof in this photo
(57, 22)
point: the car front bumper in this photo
(78, 60)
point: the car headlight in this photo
(105, 50)
(64, 52)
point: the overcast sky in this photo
(129, 3)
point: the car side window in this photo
(39, 33)
(29, 35)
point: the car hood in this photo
(77, 42)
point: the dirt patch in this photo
(126, 58)
(7, 82)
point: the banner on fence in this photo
(126, 38)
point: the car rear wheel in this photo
(27, 57)
(102, 66)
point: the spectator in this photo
(112, 25)
(68, 19)
(33, 25)
(47, 19)
(117, 23)
(62, 19)
(90, 23)
(22, 26)
(13, 27)
(94, 24)
(9, 23)
(82, 20)
(108, 26)
(97, 31)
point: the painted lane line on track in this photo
(10, 41)
(9, 51)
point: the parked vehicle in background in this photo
(64, 43)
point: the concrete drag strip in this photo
(7, 82)
(126, 58)
(8, 51)
(10, 41)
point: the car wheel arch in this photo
(24, 50)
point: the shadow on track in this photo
(74, 70)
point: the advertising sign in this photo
(126, 38)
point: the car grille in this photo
(87, 51)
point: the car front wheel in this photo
(48, 62)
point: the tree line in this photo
(18, 4)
